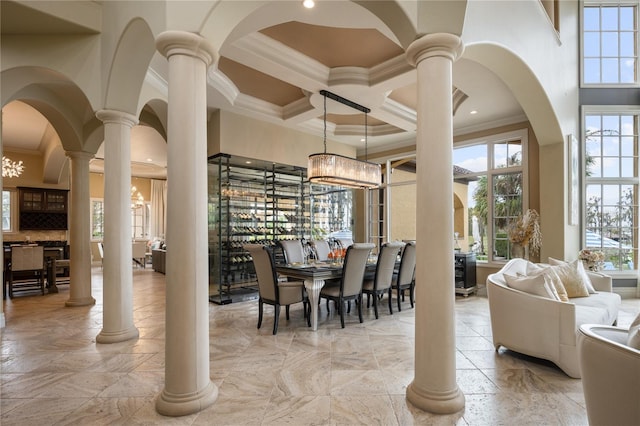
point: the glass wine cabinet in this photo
(254, 201)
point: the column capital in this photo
(79, 155)
(438, 44)
(118, 117)
(171, 43)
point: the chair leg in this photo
(286, 309)
(275, 320)
(260, 311)
(10, 285)
(375, 304)
(359, 303)
(390, 309)
(412, 294)
(342, 313)
(399, 292)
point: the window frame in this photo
(609, 3)
(604, 180)
(146, 218)
(13, 207)
(491, 141)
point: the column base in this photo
(85, 301)
(172, 405)
(436, 402)
(117, 336)
(2, 323)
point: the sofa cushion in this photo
(552, 276)
(533, 284)
(634, 333)
(577, 276)
(599, 308)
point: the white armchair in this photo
(610, 375)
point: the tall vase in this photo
(517, 250)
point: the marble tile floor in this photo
(52, 372)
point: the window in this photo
(7, 214)
(97, 219)
(140, 217)
(494, 171)
(611, 186)
(610, 43)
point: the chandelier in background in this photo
(335, 169)
(11, 168)
(137, 200)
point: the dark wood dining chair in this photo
(383, 277)
(26, 269)
(350, 288)
(274, 292)
(406, 277)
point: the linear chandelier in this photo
(11, 168)
(335, 169)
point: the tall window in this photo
(140, 220)
(6, 211)
(610, 43)
(97, 219)
(495, 172)
(611, 190)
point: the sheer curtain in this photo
(158, 208)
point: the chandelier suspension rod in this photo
(344, 101)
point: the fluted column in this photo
(434, 386)
(188, 387)
(117, 324)
(80, 231)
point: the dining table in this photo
(314, 276)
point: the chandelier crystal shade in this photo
(11, 168)
(335, 169)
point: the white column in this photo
(2, 320)
(80, 231)
(434, 386)
(188, 387)
(117, 324)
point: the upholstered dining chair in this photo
(271, 291)
(293, 251)
(350, 288)
(406, 277)
(383, 277)
(322, 249)
(28, 262)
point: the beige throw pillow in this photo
(572, 276)
(534, 284)
(551, 277)
(634, 334)
(579, 266)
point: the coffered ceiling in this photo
(275, 72)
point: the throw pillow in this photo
(534, 284)
(552, 278)
(580, 270)
(634, 333)
(571, 278)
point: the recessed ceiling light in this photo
(247, 162)
(473, 112)
(308, 3)
(149, 160)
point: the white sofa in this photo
(610, 375)
(542, 327)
